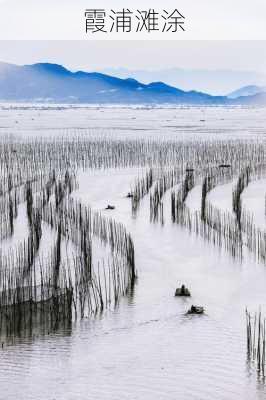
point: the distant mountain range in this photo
(250, 90)
(53, 83)
(217, 82)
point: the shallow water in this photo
(218, 122)
(147, 348)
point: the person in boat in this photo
(196, 310)
(183, 291)
(109, 207)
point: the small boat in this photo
(224, 166)
(109, 207)
(183, 291)
(129, 195)
(196, 310)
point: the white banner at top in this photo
(132, 20)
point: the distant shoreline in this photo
(6, 105)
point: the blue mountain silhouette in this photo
(45, 82)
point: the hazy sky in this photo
(95, 55)
(219, 35)
(44, 31)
